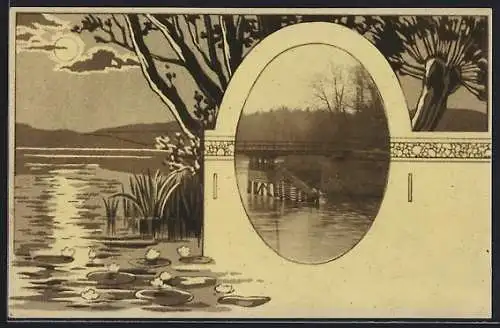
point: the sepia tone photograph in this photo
(312, 151)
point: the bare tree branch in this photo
(122, 29)
(192, 59)
(173, 44)
(235, 34)
(195, 40)
(225, 46)
(212, 51)
(165, 90)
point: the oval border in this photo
(387, 172)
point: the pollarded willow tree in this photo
(445, 52)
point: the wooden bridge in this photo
(267, 177)
(270, 149)
(280, 183)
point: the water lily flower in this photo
(165, 276)
(224, 288)
(89, 294)
(113, 268)
(92, 253)
(184, 251)
(152, 254)
(157, 282)
(69, 252)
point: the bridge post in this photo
(293, 193)
(283, 191)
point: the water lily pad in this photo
(129, 243)
(111, 278)
(138, 271)
(192, 282)
(197, 260)
(50, 282)
(53, 259)
(244, 301)
(165, 296)
(157, 263)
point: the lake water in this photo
(57, 205)
(304, 233)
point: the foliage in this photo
(461, 42)
(182, 152)
(368, 128)
(176, 199)
(184, 215)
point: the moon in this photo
(66, 48)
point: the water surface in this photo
(305, 233)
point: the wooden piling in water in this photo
(293, 193)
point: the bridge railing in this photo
(303, 147)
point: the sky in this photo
(288, 79)
(68, 81)
(103, 88)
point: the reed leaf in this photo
(111, 207)
(149, 194)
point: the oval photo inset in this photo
(312, 153)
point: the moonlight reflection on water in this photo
(62, 261)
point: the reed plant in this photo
(185, 207)
(111, 207)
(149, 194)
(174, 201)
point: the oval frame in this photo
(314, 33)
(333, 258)
(221, 187)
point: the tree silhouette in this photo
(208, 48)
(445, 52)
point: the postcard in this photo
(250, 163)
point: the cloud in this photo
(100, 60)
(46, 47)
(28, 39)
(37, 32)
(26, 36)
(36, 20)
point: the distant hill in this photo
(142, 135)
(129, 136)
(463, 120)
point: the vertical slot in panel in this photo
(410, 187)
(215, 186)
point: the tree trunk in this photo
(439, 83)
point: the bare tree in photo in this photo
(333, 91)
